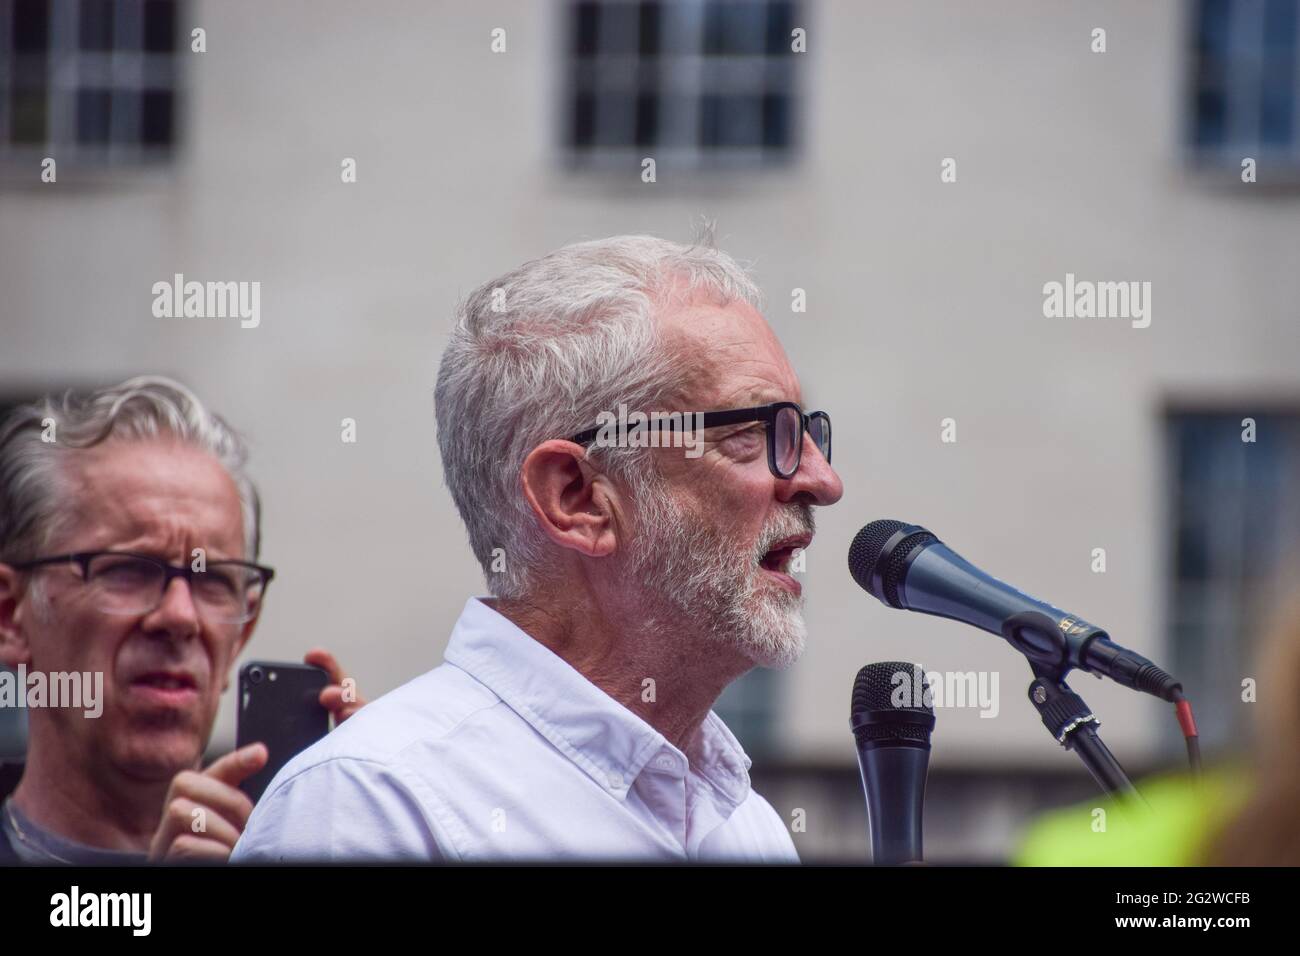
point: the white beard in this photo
(690, 573)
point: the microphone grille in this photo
(874, 714)
(865, 550)
(892, 573)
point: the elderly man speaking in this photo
(571, 719)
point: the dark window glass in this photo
(736, 29)
(1212, 28)
(649, 45)
(715, 30)
(584, 119)
(1278, 93)
(156, 112)
(159, 26)
(647, 119)
(618, 28)
(731, 121)
(776, 120)
(749, 707)
(31, 26)
(27, 115)
(586, 25)
(780, 24)
(1211, 118)
(96, 25)
(94, 114)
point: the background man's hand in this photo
(340, 699)
(205, 813)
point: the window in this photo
(749, 707)
(1235, 513)
(689, 82)
(1245, 83)
(88, 80)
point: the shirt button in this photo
(616, 781)
(666, 763)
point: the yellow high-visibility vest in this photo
(1183, 815)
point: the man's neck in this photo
(688, 671)
(84, 803)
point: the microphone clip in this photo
(1073, 725)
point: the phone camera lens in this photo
(255, 675)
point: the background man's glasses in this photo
(786, 424)
(122, 582)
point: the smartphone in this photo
(279, 706)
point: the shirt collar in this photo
(601, 736)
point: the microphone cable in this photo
(1187, 723)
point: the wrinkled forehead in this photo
(142, 490)
(734, 358)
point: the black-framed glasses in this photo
(785, 424)
(123, 582)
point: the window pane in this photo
(649, 32)
(96, 25)
(93, 116)
(157, 109)
(31, 26)
(27, 115)
(160, 26)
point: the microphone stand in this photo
(1065, 715)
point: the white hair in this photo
(34, 488)
(537, 353)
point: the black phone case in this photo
(281, 710)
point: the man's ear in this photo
(575, 504)
(13, 642)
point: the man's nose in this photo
(176, 613)
(815, 478)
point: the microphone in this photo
(892, 715)
(905, 566)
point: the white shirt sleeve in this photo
(339, 810)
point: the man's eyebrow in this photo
(757, 397)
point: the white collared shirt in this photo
(506, 752)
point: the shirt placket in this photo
(662, 786)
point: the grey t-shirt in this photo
(41, 847)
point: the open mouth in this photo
(780, 556)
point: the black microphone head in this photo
(892, 703)
(865, 550)
(878, 556)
